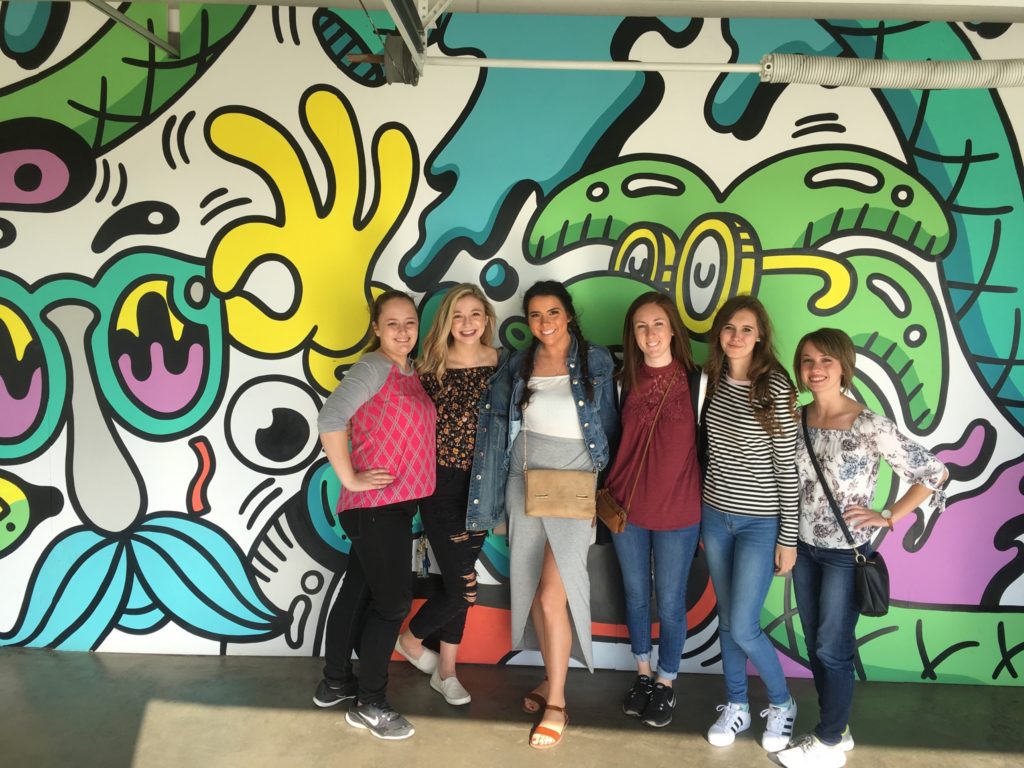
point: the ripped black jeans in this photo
(443, 616)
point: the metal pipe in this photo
(610, 66)
(120, 18)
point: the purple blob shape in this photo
(164, 391)
(53, 172)
(959, 559)
(968, 451)
(17, 416)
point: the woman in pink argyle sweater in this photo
(381, 409)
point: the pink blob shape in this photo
(967, 452)
(959, 559)
(17, 416)
(54, 177)
(164, 391)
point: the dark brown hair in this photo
(557, 290)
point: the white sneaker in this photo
(734, 719)
(847, 743)
(779, 727)
(450, 688)
(426, 663)
(810, 752)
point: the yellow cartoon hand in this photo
(327, 246)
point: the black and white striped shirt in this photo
(749, 471)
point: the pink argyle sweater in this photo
(394, 430)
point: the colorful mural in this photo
(187, 247)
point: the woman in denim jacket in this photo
(467, 379)
(563, 415)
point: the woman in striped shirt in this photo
(749, 510)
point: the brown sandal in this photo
(542, 730)
(537, 699)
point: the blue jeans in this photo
(823, 580)
(673, 553)
(740, 550)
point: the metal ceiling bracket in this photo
(409, 22)
(429, 15)
(172, 46)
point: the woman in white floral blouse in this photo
(848, 441)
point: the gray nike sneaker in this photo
(380, 720)
(329, 694)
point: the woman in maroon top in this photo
(660, 492)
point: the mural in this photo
(187, 248)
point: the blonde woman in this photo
(466, 377)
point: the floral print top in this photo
(849, 459)
(457, 397)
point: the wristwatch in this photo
(887, 516)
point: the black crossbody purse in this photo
(871, 576)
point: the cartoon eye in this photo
(646, 251)
(902, 196)
(161, 358)
(271, 424)
(22, 377)
(598, 191)
(710, 267)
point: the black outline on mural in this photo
(246, 387)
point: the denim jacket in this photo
(599, 418)
(486, 505)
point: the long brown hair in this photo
(632, 356)
(434, 355)
(557, 290)
(764, 363)
(378, 306)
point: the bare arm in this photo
(860, 517)
(336, 447)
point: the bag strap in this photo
(650, 435)
(703, 401)
(825, 486)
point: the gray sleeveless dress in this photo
(570, 542)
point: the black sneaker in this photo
(380, 720)
(636, 700)
(659, 710)
(328, 694)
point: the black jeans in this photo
(374, 597)
(443, 616)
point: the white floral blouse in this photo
(849, 459)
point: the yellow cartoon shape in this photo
(327, 245)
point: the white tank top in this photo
(551, 410)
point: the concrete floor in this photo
(82, 710)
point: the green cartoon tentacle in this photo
(975, 165)
(831, 192)
(598, 208)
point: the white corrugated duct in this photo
(791, 68)
(872, 73)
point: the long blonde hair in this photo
(434, 355)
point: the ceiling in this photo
(906, 10)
